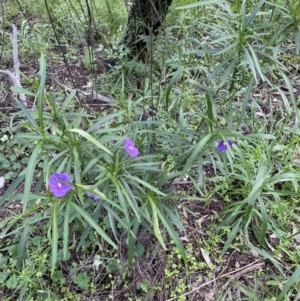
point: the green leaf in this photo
(41, 91)
(22, 249)
(253, 14)
(232, 236)
(54, 240)
(173, 234)
(140, 249)
(3, 277)
(88, 228)
(247, 97)
(57, 276)
(112, 265)
(170, 85)
(292, 96)
(129, 197)
(82, 280)
(197, 150)
(200, 3)
(93, 224)
(91, 139)
(68, 100)
(264, 225)
(265, 254)
(21, 90)
(149, 186)
(12, 188)
(155, 222)
(27, 114)
(132, 240)
(66, 231)
(256, 62)
(250, 62)
(209, 111)
(103, 120)
(123, 204)
(293, 279)
(57, 156)
(12, 282)
(30, 173)
(77, 172)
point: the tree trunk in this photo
(144, 20)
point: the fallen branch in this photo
(15, 76)
(88, 96)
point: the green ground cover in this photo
(200, 202)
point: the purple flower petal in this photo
(222, 146)
(92, 195)
(130, 148)
(58, 185)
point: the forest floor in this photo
(245, 271)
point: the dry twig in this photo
(15, 76)
(88, 96)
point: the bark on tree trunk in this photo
(144, 20)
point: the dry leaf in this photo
(254, 254)
(184, 213)
(184, 238)
(209, 296)
(205, 256)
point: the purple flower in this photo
(223, 145)
(92, 195)
(58, 185)
(130, 148)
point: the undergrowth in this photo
(185, 187)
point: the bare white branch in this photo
(15, 76)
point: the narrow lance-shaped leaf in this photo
(91, 139)
(66, 231)
(155, 222)
(293, 279)
(93, 224)
(30, 172)
(41, 91)
(54, 239)
(173, 234)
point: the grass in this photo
(183, 221)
